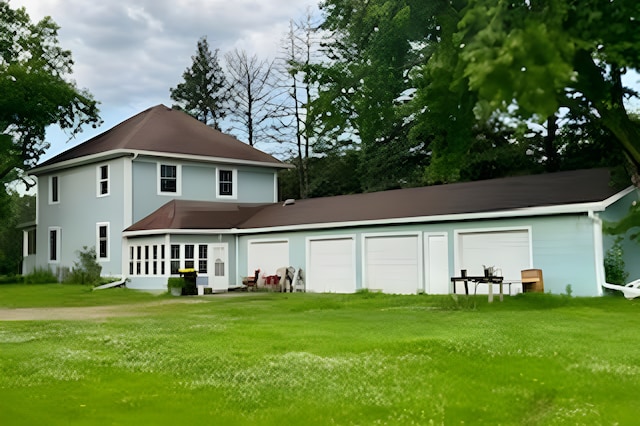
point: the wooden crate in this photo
(532, 281)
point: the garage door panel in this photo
(331, 266)
(267, 256)
(509, 251)
(392, 264)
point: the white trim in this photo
(458, 232)
(99, 180)
(598, 245)
(178, 167)
(127, 192)
(354, 258)
(234, 183)
(107, 258)
(420, 253)
(275, 187)
(102, 156)
(616, 197)
(50, 189)
(58, 243)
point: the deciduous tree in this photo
(35, 90)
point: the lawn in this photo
(312, 359)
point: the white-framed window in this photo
(55, 235)
(202, 258)
(102, 241)
(54, 190)
(175, 259)
(227, 183)
(29, 242)
(169, 179)
(102, 178)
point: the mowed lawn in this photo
(315, 359)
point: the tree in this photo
(295, 117)
(35, 90)
(538, 56)
(15, 210)
(252, 95)
(204, 93)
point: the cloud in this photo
(129, 53)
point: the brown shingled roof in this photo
(554, 189)
(162, 129)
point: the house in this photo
(161, 192)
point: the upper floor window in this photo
(169, 179)
(103, 180)
(54, 190)
(226, 183)
(102, 242)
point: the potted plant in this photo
(175, 285)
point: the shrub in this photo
(614, 267)
(87, 269)
(175, 282)
(40, 276)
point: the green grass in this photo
(321, 359)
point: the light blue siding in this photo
(78, 212)
(630, 248)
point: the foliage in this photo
(40, 276)
(346, 359)
(204, 92)
(87, 269)
(36, 91)
(614, 266)
(176, 282)
(15, 210)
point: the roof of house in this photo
(161, 129)
(480, 197)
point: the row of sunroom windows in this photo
(151, 259)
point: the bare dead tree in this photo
(253, 93)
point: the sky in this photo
(129, 53)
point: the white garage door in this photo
(392, 264)
(331, 266)
(508, 251)
(267, 256)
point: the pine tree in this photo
(204, 93)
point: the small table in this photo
(477, 280)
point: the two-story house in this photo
(162, 191)
(90, 193)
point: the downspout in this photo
(598, 245)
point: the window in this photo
(169, 179)
(103, 240)
(202, 259)
(146, 260)
(54, 190)
(131, 259)
(226, 182)
(139, 260)
(175, 259)
(54, 244)
(219, 268)
(188, 256)
(103, 180)
(162, 260)
(29, 242)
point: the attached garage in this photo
(267, 255)
(509, 250)
(331, 265)
(392, 263)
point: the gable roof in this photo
(162, 130)
(554, 193)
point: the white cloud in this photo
(129, 53)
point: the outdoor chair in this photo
(630, 291)
(251, 282)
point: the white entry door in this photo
(436, 255)
(219, 266)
